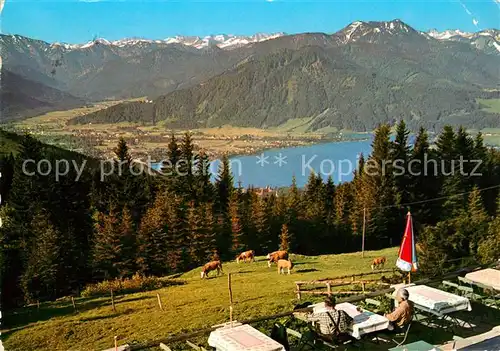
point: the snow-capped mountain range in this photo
(350, 33)
(223, 41)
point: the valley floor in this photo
(144, 141)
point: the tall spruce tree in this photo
(285, 238)
(203, 186)
(108, 246)
(152, 240)
(237, 239)
(224, 185)
(39, 280)
(260, 219)
(382, 219)
(489, 247)
(197, 234)
(187, 181)
(400, 152)
(424, 182)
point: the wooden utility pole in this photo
(230, 299)
(364, 227)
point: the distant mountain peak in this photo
(373, 30)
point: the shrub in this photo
(136, 283)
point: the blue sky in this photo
(75, 21)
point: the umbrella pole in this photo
(409, 277)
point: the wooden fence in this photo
(344, 280)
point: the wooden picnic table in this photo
(364, 322)
(242, 338)
(486, 278)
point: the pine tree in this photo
(363, 198)
(108, 248)
(489, 247)
(285, 238)
(209, 242)
(237, 242)
(122, 153)
(477, 220)
(186, 167)
(424, 182)
(224, 186)
(204, 188)
(293, 214)
(483, 172)
(260, 220)
(27, 195)
(152, 241)
(382, 219)
(177, 235)
(128, 238)
(197, 235)
(7, 163)
(40, 276)
(171, 165)
(400, 153)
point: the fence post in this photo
(159, 301)
(230, 299)
(298, 291)
(113, 301)
(73, 302)
(328, 289)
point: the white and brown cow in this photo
(378, 262)
(284, 264)
(211, 266)
(276, 256)
(247, 255)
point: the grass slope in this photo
(257, 291)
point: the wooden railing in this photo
(344, 280)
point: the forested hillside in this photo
(355, 87)
(22, 98)
(57, 236)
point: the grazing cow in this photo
(377, 262)
(247, 255)
(282, 264)
(211, 266)
(276, 256)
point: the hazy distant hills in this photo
(366, 73)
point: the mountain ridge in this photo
(391, 50)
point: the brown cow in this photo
(377, 262)
(282, 264)
(276, 256)
(211, 266)
(247, 255)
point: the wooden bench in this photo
(447, 283)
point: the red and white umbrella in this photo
(407, 259)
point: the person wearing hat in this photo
(333, 324)
(403, 314)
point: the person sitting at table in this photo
(333, 324)
(403, 314)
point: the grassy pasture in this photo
(257, 291)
